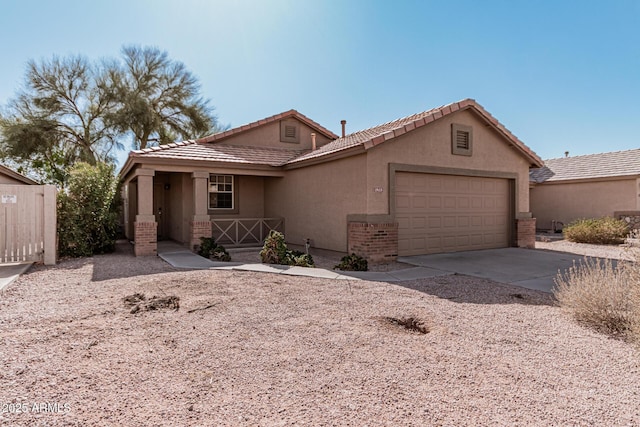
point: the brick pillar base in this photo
(526, 232)
(146, 238)
(198, 229)
(378, 243)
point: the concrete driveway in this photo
(529, 268)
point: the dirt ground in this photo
(255, 349)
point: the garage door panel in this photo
(403, 202)
(450, 213)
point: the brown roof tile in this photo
(190, 150)
(591, 166)
(384, 132)
(216, 137)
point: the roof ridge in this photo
(593, 154)
(164, 146)
(252, 125)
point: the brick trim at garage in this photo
(377, 243)
(526, 231)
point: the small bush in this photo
(209, 249)
(275, 251)
(600, 295)
(353, 262)
(88, 211)
(603, 231)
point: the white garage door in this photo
(450, 213)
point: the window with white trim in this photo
(220, 191)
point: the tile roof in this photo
(591, 166)
(287, 114)
(373, 136)
(212, 148)
(191, 150)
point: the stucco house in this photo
(449, 179)
(590, 186)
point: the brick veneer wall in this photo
(198, 229)
(630, 217)
(526, 232)
(146, 238)
(378, 243)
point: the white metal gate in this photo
(27, 223)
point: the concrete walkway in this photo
(10, 272)
(180, 257)
(528, 268)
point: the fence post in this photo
(50, 225)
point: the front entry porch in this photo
(179, 206)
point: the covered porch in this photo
(183, 204)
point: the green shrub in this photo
(209, 249)
(352, 262)
(604, 231)
(88, 209)
(275, 251)
(598, 294)
(299, 259)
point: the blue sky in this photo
(561, 75)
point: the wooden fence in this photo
(27, 223)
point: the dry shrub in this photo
(603, 231)
(599, 294)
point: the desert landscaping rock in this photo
(257, 349)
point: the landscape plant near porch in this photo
(210, 249)
(352, 262)
(275, 251)
(603, 231)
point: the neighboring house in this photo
(449, 179)
(9, 176)
(27, 219)
(591, 186)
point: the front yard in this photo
(259, 349)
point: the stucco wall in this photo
(431, 146)
(566, 202)
(316, 200)
(269, 136)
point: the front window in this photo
(220, 191)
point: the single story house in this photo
(590, 186)
(449, 179)
(27, 219)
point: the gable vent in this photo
(290, 131)
(462, 140)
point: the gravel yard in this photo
(260, 350)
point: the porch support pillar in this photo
(200, 224)
(145, 226)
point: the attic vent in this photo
(461, 139)
(289, 131)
